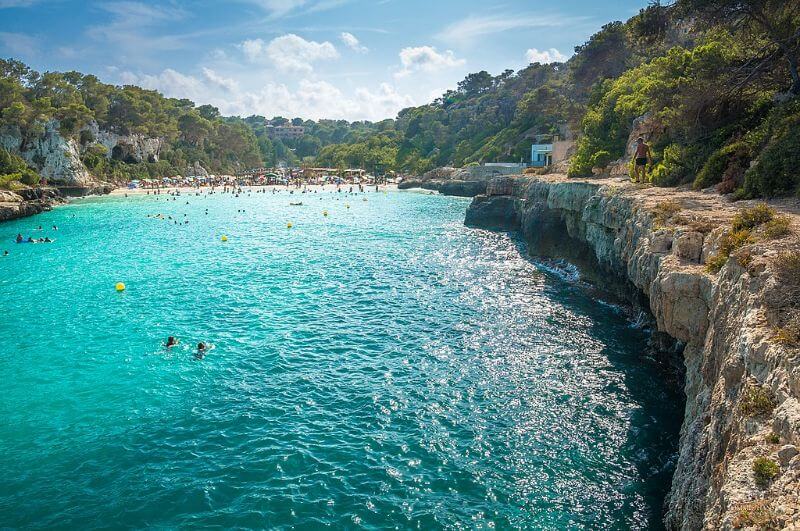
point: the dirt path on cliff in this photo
(716, 209)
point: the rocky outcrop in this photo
(131, 148)
(28, 202)
(56, 158)
(725, 322)
(463, 182)
(196, 170)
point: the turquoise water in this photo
(384, 366)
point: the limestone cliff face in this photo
(724, 321)
(133, 148)
(58, 159)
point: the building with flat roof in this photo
(284, 132)
(541, 155)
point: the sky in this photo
(338, 59)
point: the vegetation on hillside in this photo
(29, 100)
(713, 83)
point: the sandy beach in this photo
(281, 188)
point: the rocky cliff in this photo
(738, 464)
(463, 182)
(28, 202)
(58, 158)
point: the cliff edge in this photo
(722, 280)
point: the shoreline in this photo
(249, 188)
(32, 201)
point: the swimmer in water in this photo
(5, 253)
(171, 341)
(201, 351)
(19, 238)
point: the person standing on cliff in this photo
(642, 158)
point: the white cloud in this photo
(545, 56)
(289, 52)
(426, 59)
(313, 99)
(171, 83)
(470, 28)
(352, 42)
(225, 83)
(253, 49)
(382, 104)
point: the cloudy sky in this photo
(352, 59)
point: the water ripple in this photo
(380, 367)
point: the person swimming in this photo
(171, 341)
(19, 238)
(201, 351)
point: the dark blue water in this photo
(383, 366)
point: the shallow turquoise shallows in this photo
(383, 366)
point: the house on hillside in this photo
(541, 155)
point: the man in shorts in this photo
(642, 157)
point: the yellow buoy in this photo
(325, 213)
(288, 225)
(120, 286)
(224, 238)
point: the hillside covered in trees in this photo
(715, 84)
(80, 106)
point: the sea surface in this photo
(379, 367)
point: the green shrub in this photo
(669, 170)
(756, 400)
(29, 177)
(8, 179)
(729, 242)
(736, 155)
(765, 470)
(776, 170)
(10, 163)
(777, 227)
(773, 438)
(750, 218)
(14, 169)
(601, 159)
(788, 335)
(580, 165)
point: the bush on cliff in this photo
(764, 470)
(728, 162)
(756, 400)
(777, 170)
(14, 169)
